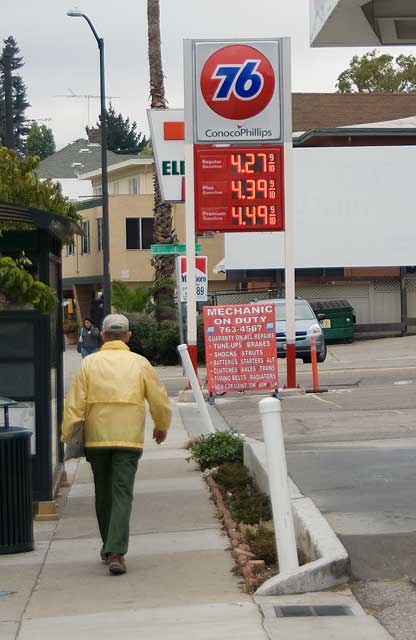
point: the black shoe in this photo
(104, 556)
(116, 564)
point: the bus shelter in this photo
(32, 345)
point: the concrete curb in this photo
(187, 395)
(329, 564)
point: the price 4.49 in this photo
(254, 215)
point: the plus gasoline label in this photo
(237, 82)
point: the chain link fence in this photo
(216, 298)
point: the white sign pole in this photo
(190, 256)
(290, 293)
(191, 324)
(279, 485)
(203, 409)
(178, 299)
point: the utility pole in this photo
(8, 100)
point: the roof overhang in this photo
(57, 226)
(118, 166)
(352, 132)
(361, 23)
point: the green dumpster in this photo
(336, 318)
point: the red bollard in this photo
(314, 361)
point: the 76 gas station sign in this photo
(238, 153)
(237, 91)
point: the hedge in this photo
(158, 341)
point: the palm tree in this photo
(164, 266)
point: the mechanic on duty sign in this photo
(237, 90)
(240, 347)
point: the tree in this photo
(127, 299)
(379, 73)
(20, 184)
(122, 137)
(40, 141)
(164, 266)
(20, 102)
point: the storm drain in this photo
(302, 611)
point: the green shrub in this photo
(70, 326)
(217, 448)
(158, 342)
(249, 506)
(262, 540)
(167, 342)
(144, 331)
(232, 476)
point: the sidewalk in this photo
(179, 582)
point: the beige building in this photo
(130, 185)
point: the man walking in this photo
(108, 394)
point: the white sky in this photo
(60, 53)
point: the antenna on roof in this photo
(85, 96)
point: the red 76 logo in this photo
(242, 80)
(237, 81)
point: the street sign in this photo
(240, 347)
(167, 131)
(239, 189)
(237, 91)
(201, 266)
(171, 249)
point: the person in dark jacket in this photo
(89, 339)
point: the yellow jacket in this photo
(108, 394)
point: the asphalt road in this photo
(353, 451)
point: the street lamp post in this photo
(104, 176)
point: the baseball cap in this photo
(115, 323)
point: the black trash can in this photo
(16, 516)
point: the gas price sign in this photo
(239, 189)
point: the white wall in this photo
(354, 207)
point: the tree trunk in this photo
(164, 267)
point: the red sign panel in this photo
(240, 347)
(239, 189)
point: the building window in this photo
(116, 188)
(139, 233)
(99, 234)
(85, 242)
(98, 191)
(134, 186)
(69, 248)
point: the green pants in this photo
(114, 473)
